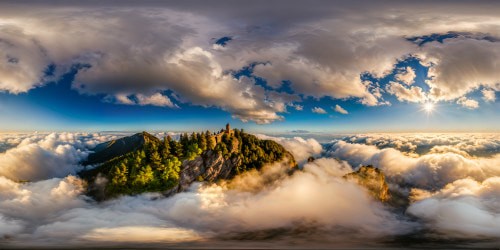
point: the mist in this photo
(451, 196)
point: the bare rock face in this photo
(190, 170)
(210, 166)
(372, 179)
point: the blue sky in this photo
(85, 67)
(57, 107)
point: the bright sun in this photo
(429, 107)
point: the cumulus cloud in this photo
(488, 95)
(318, 110)
(8, 140)
(341, 110)
(36, 161)
(412, 94)
(300, 148)
(300, 191)
(460, 66)
(36, 156)
(33, 202)
(430, 171)
(402, 143)
(468, 103)
(298, 107)
(22, 62)
(134, 53)
(159, 56)
(451, 193)
(206, 210)
(479, 144)
(446, 148)
(194, 74)
(464, 208)
(156, 99)
(406, 76)
(55, 211)
(309, 65)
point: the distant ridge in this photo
(111, 149)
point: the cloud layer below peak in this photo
(450, 182)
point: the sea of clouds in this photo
(452, 182)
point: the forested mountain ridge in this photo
(111, 149)
(170, 166)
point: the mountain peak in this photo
(111, 149)
(143, 163)
(146, 136)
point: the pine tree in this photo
(119, 175)
(193, 138)
(155, 159)
(202, 142)
(144, 177)
(170, 174)
(165, 150)
(184, 143)
(177, 149)
(184, 139)
(210, 141)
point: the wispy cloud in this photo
(468, 103)
(341, 110)
(318, 110)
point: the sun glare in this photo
(429, 107)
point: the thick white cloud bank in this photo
(42, 156)
(454, 193)
(300, 148)
(135, 54)
(473, 144)
(463, 208)
(52, 209)
(428, 171)
(451, 195)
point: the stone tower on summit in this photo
(218, 136)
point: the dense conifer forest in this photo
(157, 164)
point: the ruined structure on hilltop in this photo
(218, 137)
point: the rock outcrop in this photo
(210, 166)
(373, 180)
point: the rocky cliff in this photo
(373, 180)
(212, 166)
